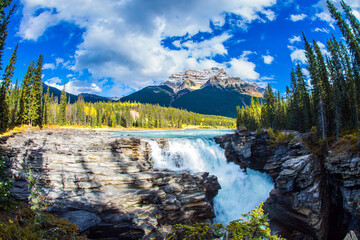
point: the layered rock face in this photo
(343, 170)
(314, 197)
(108, 186)
(295, 203)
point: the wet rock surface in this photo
(108, 186)
(344, 175)
(314, 197)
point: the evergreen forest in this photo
(328, 98)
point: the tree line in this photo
(29, 105)
(331, 103)
(123, 114)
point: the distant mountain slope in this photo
(212, 100)
(87, 96)
(210, 91)
(161, 95)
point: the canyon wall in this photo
(315, 196)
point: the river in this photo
(197, 151)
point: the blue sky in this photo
(115, 47)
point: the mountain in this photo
(209, 91)
(87, 96)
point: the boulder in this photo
(84, 220)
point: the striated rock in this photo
(108, 186)
(295, 206)
(344, 170)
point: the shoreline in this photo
(26, 128)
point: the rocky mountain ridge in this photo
(196, 79)
(210, 91)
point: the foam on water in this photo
(240, 192)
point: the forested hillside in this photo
(331, 103)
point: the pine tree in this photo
(270, 106)
(14, 102)
(350, 89)
(45, 112)
(5, 91)
(305, 108)
(4, 22)
(36, 94)
(294, 110)
(352, 19)
(80, 110)
(325, 90)
(62, 114)
(25, 97)
(346, 31)
(318, 91)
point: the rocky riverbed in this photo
(315, 196)
(108, 186)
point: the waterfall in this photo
(239, 193)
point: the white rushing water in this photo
(198, 152)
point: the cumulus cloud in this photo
(74, 86)
(297, 17)
(298, 55)
(53, 80)
(268, 59)
(294, 39)
(243, 68)
(326, 17)
(122, 39)
(50, 66)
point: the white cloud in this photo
(298, 55)
(75, 86)
(59, 61)
(50, 66)
(54, 80)
(33, 27)
(294, 39)
(297, 17)
(207, 48)
(243, 68)
(122, 39)
(268, 59)
(324, 30)
(269, 14)
(326, 17)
